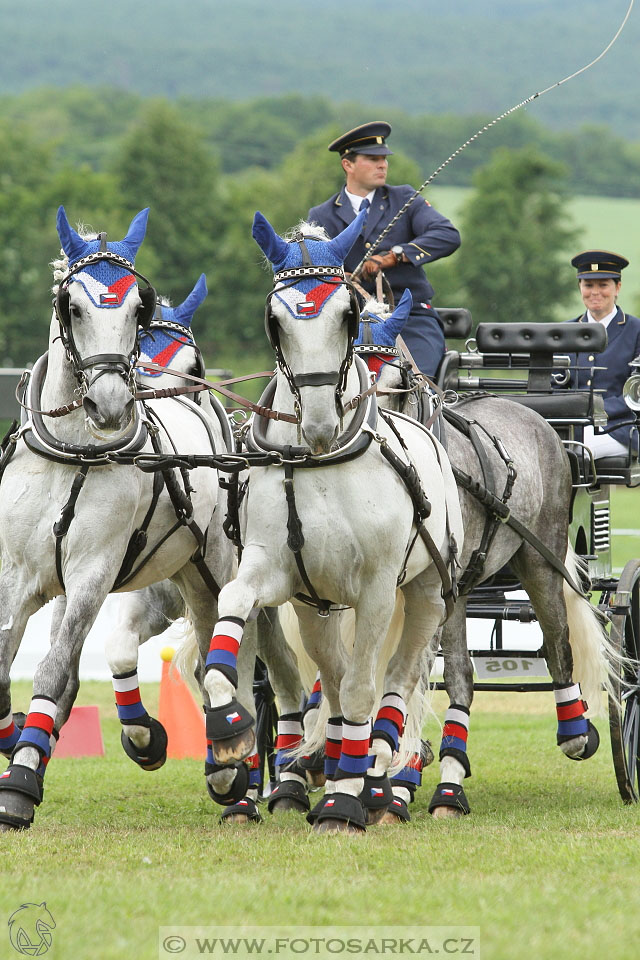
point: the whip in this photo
(479, 133)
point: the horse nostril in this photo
(92, 411)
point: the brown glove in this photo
(378, 262)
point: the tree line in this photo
(202, 206)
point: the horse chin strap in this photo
(119, 363)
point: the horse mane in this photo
(376, 308)
(307, 229)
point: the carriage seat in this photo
(457, 322)
(541, 339)
(571, 405)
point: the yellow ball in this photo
(167, 654)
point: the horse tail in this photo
(186, 656)
(595, 660)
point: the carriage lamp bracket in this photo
(471, 345)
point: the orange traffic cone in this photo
(179, 714)
(81, 736)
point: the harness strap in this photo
(295, 542)
(61, 526)
(422, 508)
(489, 500)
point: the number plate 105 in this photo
(488, 667)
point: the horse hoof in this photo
(234, 748)
(316, 778)
(375, 816)
(240, 818)
(582, 747)
(285, 804)
(389, 818)
(336, 826)
(443, 813)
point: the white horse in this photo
(364, 504)
(71, 514)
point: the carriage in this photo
(522, 361)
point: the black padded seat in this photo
(457, 322)
(541, 338)
(573, 405)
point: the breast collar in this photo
(43, 443)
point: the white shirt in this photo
(355, 201)
(605, 320)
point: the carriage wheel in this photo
(625, 723)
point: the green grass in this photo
(625, 515)
(545, 866)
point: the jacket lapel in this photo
(377, 213)
(343, 209)
(616, 327)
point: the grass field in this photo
(545, 866)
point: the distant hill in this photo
(416, 56)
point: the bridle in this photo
(184, 336)
(289, 278)
(102, 363)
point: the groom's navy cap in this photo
(367, 138)
(599, 265)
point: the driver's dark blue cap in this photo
(599, 265)
(367, 138)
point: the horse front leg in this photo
(396, 735)
(15, 609)
(342, 810)
(21, 784)
(449, 799)
(230, 726)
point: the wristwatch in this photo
(398, 253)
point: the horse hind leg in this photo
(574, 641)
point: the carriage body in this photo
(530, 363)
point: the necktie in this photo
(365, 205)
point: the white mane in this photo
(313, 230)
(377, 308)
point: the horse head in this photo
(376, 342)
(311, 321)
(99, 308)
(168, 340)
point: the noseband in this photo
(119, 363)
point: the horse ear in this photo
(136, 232)
(341, 244)
(393, 325)
(273, 246)
(70, 241)
(184, 313)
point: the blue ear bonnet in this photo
(162, 346)
(384, 331)
(107, 284)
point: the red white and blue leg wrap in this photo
(9, 733)
(223, 650)
(253, 762)
(410, 777)
(332, 747)
(128, 700)
(390, 720)
(315, 696)
(454, 735)
(38, 727)
(571, 709)
(354, 755)
(289, 737)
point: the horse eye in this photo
(76, 312)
